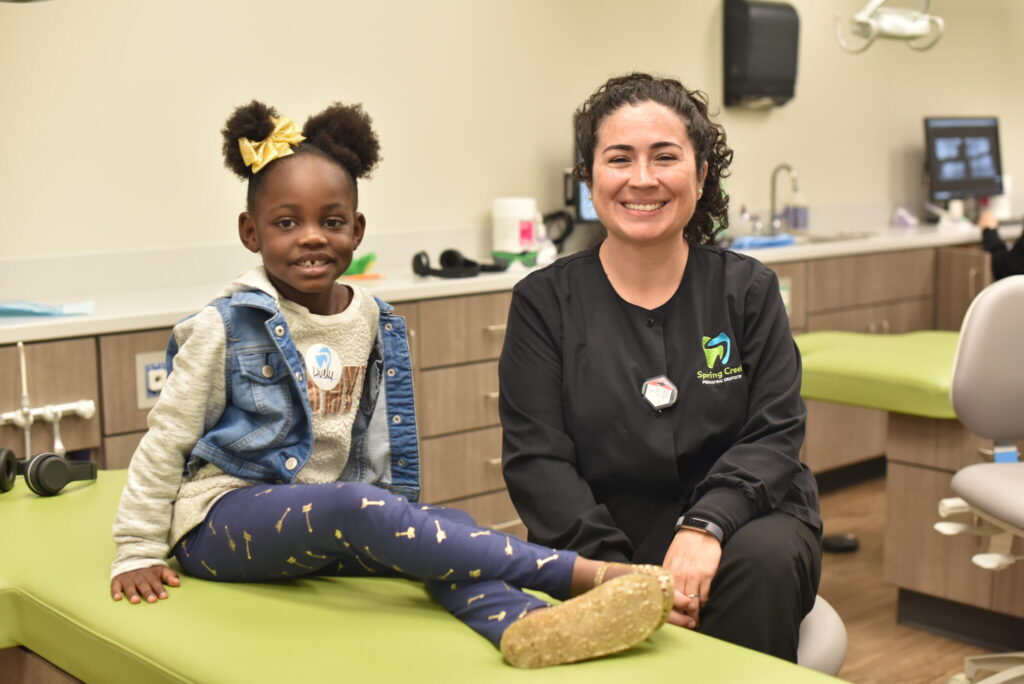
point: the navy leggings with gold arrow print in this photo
(270, 532)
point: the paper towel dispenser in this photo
(760, 50)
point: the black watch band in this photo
(690, 522)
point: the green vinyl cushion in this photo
(54, 600)
(907, 373)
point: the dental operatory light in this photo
(917, 28)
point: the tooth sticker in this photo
(323, 366)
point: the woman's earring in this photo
(700, 192)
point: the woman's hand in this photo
(145, 583)
(988, 220)
(693, 558)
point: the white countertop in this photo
(133, 307)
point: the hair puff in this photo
(250, 121)
(345, 133)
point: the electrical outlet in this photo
(150, 375)
(156, 374)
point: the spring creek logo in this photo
(717, 352)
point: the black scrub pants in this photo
(766, 584)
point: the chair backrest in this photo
(987, 387)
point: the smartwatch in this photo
(689, 522)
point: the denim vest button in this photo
(402, 462)
(391, 372)
(279, 330)
(396, 420)
(291, 463)
(388, 326)
(267, 371)
(298, 376)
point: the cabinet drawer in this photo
(870, 279)
(461, 465)
(119, 449)
(462, 329)
(411, 312)
(494, 510)
(457, 398)
(891, 318)
(58, 373)
(124, 359)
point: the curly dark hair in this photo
(341, 133)
(711, 214)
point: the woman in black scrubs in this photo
(650, 385)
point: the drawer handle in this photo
(494, 461)
(885, 326)
(492, 395)
(507, 524)
(972, 283)
(498, 327)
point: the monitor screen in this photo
(962, 156)
(584, 205)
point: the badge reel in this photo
(660, 392)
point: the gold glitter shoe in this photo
(662, 574)
(607, 619)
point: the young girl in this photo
(284, 441)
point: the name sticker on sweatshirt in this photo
(323, 366)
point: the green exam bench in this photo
(54, 601)
(907, 373)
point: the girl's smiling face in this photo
(305, 225)
(645, 182)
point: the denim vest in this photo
(265, 433)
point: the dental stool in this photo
(822, 639)
(987, 391)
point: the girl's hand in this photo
(145, 583)
(693, 558)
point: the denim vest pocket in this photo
(261, 390)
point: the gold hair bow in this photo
(278, 144)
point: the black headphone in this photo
(45, 474)
(453, 265)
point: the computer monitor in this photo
(585, 211)
(577, 196)
(962, 157)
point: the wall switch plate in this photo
(150, 375)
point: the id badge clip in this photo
(660, 392)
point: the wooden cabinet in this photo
(793, 287)
(886, 293)
(58, 372)
(123, 374)
(128, 362)
(459, 341)
(923, 455)
(919, 558)
(960, 274)
(869, 279)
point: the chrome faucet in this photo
(774, 221)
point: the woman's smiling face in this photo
(645, 182)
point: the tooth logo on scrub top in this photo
(323, 366)
(718, 348)
(718, 351)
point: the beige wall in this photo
(110, 109)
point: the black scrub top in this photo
(591, 466)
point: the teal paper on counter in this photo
(22, 308)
